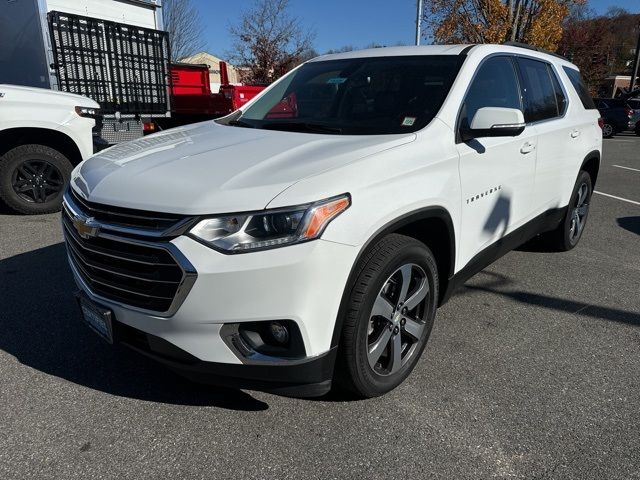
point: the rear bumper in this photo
(304, 378)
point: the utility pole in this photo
(636, 61)
(418, 21)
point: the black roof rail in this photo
(537, 49)
(466, 49)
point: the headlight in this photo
(87, 112)
(247, 232)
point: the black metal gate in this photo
(122, 67)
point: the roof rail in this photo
(466, 49)
(537, 49)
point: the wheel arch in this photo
(432, 226)
(591, 165)
(14, 137)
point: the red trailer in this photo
(192, 100)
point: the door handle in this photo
(575, 134)
(527, 147)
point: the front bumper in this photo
(304, 378)
(302, 283)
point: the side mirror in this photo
(494, 122)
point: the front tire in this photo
(608, 131)
(389, 316)
(33, 178)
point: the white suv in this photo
(310, 236)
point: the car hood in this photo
(35, 95)
(211, 168)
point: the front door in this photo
(496, 173)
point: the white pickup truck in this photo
(43, 135)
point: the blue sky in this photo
(341, 22)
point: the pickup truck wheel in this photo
(33, 178)
(389, 317)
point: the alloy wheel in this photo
(607, 130)
(37, 181)
(396, 323)
(579, 213)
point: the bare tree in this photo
(268, 41)
(343, 49)
(182, 21)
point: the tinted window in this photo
(376, 95)
(581, 89)
(561, 99)
(539, 94)
(495, 85)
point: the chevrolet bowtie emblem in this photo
(85, 227)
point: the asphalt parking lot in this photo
(532, 371)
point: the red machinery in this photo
(235, 96)
(192, 100)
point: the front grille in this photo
(156, 222)
(129, 271)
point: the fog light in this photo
(279, 332)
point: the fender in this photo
(422, 214)
(591, 165)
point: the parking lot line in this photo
(626, 168)
(617, 198)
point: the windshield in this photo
(359, 96)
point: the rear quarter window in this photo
(580, 87)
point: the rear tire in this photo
(389, 316)
(567, 235)
(33, 179)
(608, 131)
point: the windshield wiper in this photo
(302, 127)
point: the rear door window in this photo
(576, 80)
(539, 94)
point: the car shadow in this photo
(40, 326)
(500, 216)
(631, 224)
(498, 284)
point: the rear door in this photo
(496, 173)
(560, 133)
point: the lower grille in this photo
(128, 271)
